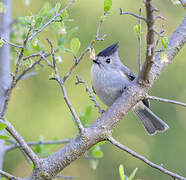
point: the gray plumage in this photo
(109, 79)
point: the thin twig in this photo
(27, 70)
(22, 52)
(8, 176)
(10, 43)
(132, 14)
(158, 40)
(23, 145)
(142, 158)
(166, 100)
(50, 21)
(139, 44)
(80, 80)
(35, 55)
(65, 96)
(85, 51)
(14, 146)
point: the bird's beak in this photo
(96, 61)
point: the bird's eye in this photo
(108, 60)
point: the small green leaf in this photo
(94, 163)
(131, 177)
(165, 42)
(4, 137)
(65, 14)
(96, 152)
(75, 45)
(107, 6)
(38, 22)
(1, 42)
(137, 29)
(2, 126)
(88, 111)
(51, 76)
(121, 172)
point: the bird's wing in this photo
(131, 76)
(127, 73)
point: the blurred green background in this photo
(37, 107)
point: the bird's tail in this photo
(151, 122)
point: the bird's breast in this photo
(107, 85)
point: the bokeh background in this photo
(37, 107)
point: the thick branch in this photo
(142, 158)
(144, 75)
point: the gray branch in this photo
(142, 158)
(8, 176)
(166, 100)
(16, 145)
(150, 38)
(79, 80)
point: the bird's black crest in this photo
(109, 50)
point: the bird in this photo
(110, 77)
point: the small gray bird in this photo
(110, 78)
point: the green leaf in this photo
(1, 42)
(51, 76)
(88, 111)
(133, 174)
(165, 42)
(137, 29)
(121, 172)
(94, 163)
(75, 45)
(4, 137)
(2, 126)
(38, 22)
(64, 14)
(96, 152)
(107, 6)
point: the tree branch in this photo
(52, 20)
(8, 176)
(142, 158)
(132, 14)
(144, 75)
(166, 100)
(22, 143)
(79, 80)
(14, 146)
